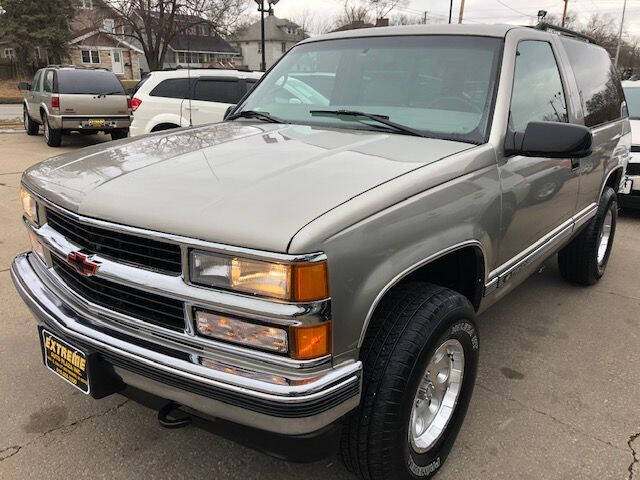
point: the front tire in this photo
(30, 126)
(420, 358)
(52, 136)
(585, 259)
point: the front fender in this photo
(450, 209)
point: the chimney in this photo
(382, 22)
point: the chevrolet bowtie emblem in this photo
(81, 264)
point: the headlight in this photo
(299, 282)
(29, 204)
(300, 342)
(238, 331)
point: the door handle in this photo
(193, 109)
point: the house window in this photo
(9, 53)
(109, 24)
(90, 56)
(202, 57)
(86, 3)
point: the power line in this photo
(513, 9)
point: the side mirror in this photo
(24, 86)
(550, 139)
(228, 112)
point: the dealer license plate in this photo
(66, 361)
(96, 123)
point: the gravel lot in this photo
(558, 393)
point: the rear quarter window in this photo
(89, 82)
(219, 91)
(171, 88)
(600, 89)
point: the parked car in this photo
(184, 97)
(630, 192)
(64, 99)
(314, 272)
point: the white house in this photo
(280, 36)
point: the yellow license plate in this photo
(68, 362)
(96, 123)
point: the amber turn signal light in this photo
(310, 282)
(310, 342)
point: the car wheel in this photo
(52, 136)
(119, 133)
(30, 126)
(420, 358)
(585, 259)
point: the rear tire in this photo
(30, 126)
(52, 136)
(415, 325)
(585, 259)
(119, 133)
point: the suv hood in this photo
(237, 183)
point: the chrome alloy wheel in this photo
(605, 237)
(437, 396)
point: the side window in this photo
(48, 81)
(172, 88)
(600, 90)
(36, 81)
(221, 91)
(538, 94)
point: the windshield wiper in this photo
(383, 119)
(266, 116)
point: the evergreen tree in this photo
(29, 24)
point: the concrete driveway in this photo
(558, 393)
(10, 113)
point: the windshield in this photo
(89, 82)
(632, 95)
(441, 85)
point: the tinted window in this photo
(36, 81)
(217, 91)
(173, 88)
(88, 82)
(600, 89)
(48, 81)
(442, 85)
(537, 95)
(632, 95)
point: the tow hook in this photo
(168, 419)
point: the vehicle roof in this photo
(498, 31)
(631, 83)
(199, 72)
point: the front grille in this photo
(139, 251)
(633, 169)
(149, 307)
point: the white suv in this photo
(183, 97)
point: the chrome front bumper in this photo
(245, 394)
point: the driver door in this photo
(539, 194)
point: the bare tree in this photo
(366, 10)
(311, 23)
(154, 24)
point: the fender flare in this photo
(402, 275)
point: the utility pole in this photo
(424, 20)
(450, 10)
(263, 10)
(624, 9)
(461, 11)
(564, 12)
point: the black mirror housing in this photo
(228, 112)
(551, 140)
(24, 86)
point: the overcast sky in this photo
(484, 11)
